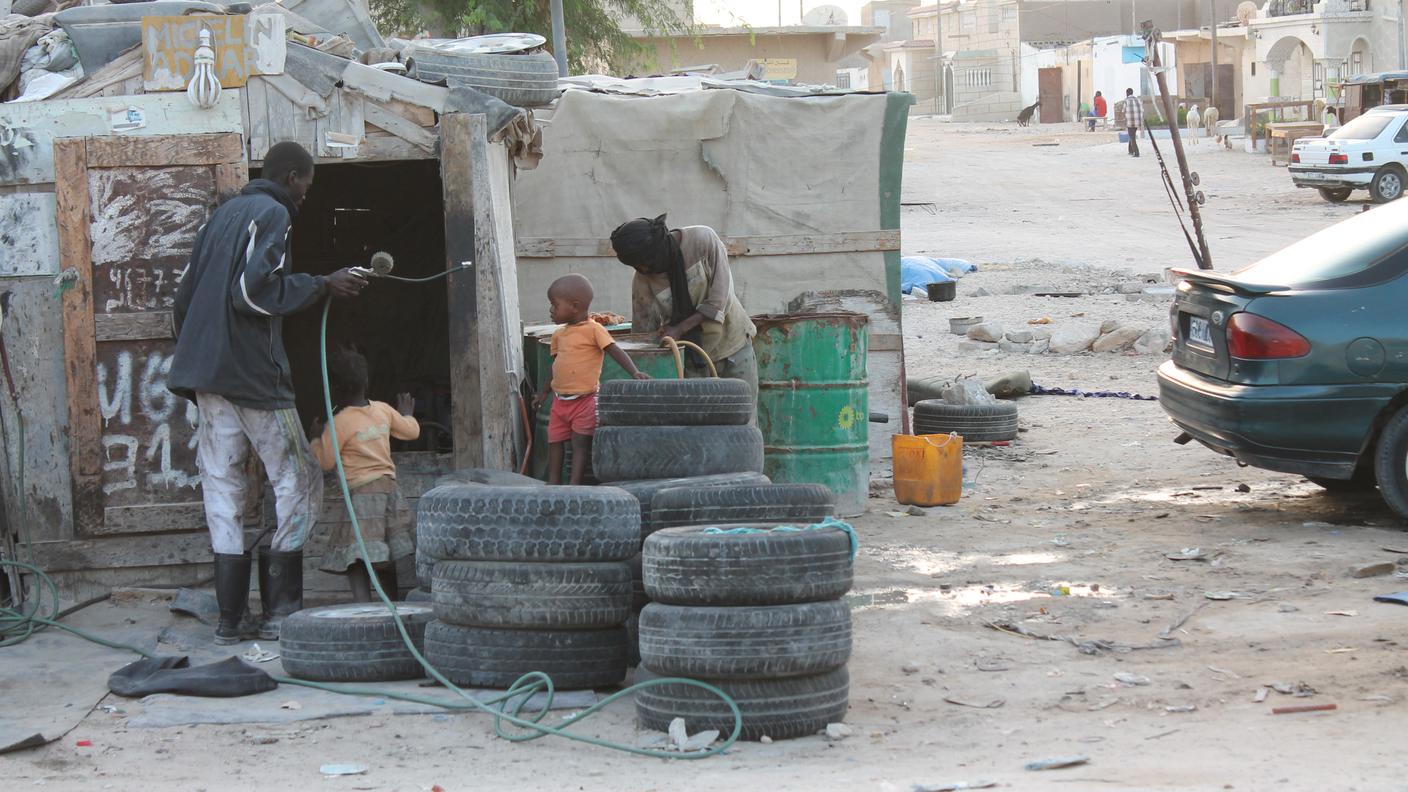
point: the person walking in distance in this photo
(1133, 119)
(230, 360)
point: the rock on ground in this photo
(1118, 340)
(989, 332)
(1073, 338)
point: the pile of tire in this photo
(529, 579)
(356, 642)
(975, 423)
(657, 435)
(425, 563)
(756, 612)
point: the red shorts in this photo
(572, 417)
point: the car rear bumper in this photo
(1309, 430)
(1334, 177)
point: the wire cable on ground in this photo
(507, 709)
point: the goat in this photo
(1210, 119)
(1025, 117)
(1194, 123)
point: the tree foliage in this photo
(595, 40)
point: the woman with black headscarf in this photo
(683, 289)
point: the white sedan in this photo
(1369, 153)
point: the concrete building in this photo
(807, 54)
(1303, 49)
(893, 16)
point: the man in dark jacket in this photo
(230, 360)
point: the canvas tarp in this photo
(748, 165)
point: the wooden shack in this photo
(102, 189)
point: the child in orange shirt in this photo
(364, 432)
(578, 350)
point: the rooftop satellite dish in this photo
(825, 15)
(1246, 12)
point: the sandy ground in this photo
(1088, 502)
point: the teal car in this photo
(1299, 362)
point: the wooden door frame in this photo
(73, 159)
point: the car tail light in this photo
(1339, 159)
(1173, 320)
(1252, 337)
(1295, 156)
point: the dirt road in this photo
(1063, 534)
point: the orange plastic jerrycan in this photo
(928, 469)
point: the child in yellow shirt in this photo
(578, 350)
(364, 432)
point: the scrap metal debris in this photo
(994, 704)
(1092, 646)
(1058, 762)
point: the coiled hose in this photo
(18, 625)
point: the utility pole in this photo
(1212, 26)
(1151, 36)
(559, 37)
(938, 56)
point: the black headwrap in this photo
(648, 246)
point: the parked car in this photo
(1299, 362)
(1368, 153)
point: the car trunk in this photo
(1316, 151)
(1205, 301)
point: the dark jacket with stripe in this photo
(232, 299)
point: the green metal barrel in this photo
(643, 350)
(814, 403)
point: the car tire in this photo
(1391, 463)
(767, 503)
(469, 522)
(690, 566)
(627, 453)
(767, 642)
(779, 709)
(677, 402)
(1335, 194)
(645, 490)
(532, 595)
(357, 642)
(519, 79)
(493, 658)
(1388, 184)
(975, 423)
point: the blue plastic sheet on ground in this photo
(917, 272)
(829, 522)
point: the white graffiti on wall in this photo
(140, 453)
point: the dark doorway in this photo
(1053, 109)
(353, 211)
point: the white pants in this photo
(225, 435)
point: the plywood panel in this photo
(144, 221)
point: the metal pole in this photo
(1171, 118)
(938, 57)
(1212, 26)
(559, 37)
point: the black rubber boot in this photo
(232, 593)
(280, 588)
(387, 577)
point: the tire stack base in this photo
(529, 579)
(758, 615)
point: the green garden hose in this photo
(18, 625)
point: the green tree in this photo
(595, 41)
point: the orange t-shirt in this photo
(578, 351)
(364, 441)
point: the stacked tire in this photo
(758, 614)
(355, 642)
(975, 423)
(425, 563)
(656, 435)
(529, 579)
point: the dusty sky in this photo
(761, 13)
